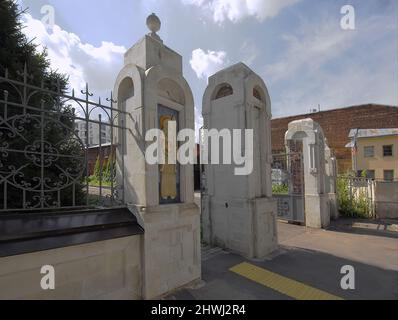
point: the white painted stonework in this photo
(110, 269)
(331, 181)
(238, 212)
(152, 75)
(317, 213)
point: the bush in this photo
(353, 200)
(108, 173)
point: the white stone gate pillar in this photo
(239, 213)
(331, 181)
(317, 214)
(152, 89)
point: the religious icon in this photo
(168, 172)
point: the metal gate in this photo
(288, 186)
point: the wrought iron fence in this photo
(287, 173)
(288, 185)
(44, 155)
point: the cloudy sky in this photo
(297, 46)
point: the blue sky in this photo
(296, 46)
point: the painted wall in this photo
(386, 199)
(378, 162)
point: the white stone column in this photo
(150, 80)
(239, 213)
(317, 214)
(331, 181)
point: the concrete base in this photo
(171, 255)
(317, 212)
(247, 227)
(333, 206)
(109, 269)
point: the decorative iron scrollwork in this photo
(43, 161)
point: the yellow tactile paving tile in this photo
(284, 285)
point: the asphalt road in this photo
(306, 266)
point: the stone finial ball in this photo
(153, 23)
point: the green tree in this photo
(111, 166)
(106, 175)
(97, 168)
(16, 52)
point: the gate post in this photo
(239, 212)
(152, 89)
(317, 214)
(331, 181)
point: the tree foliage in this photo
(16, 52)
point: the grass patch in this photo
(280, 189)
(93, 181)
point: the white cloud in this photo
(353, 86)
(198, 123)
(311, 48)
(207, 63)
(82, 62)
(237, 10)
(317, 67)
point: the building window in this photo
(369, 152)
(387, 151)
(389, 175)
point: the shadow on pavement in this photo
(379, 228)
(319, 270)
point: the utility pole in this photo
(354, 152)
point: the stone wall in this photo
(336, 125)
(108, 269)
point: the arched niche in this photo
(221, 91)
(126, 89)
(258, 111)
(124, 93)
(171, 90)
(310, 134)
(300, 135)
(258, 93)
(127, 94)
(167, 94)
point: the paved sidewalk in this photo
(368, 246)
(308, 260)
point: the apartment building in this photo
(375, 151)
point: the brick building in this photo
(94, 152)
(337, 124)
